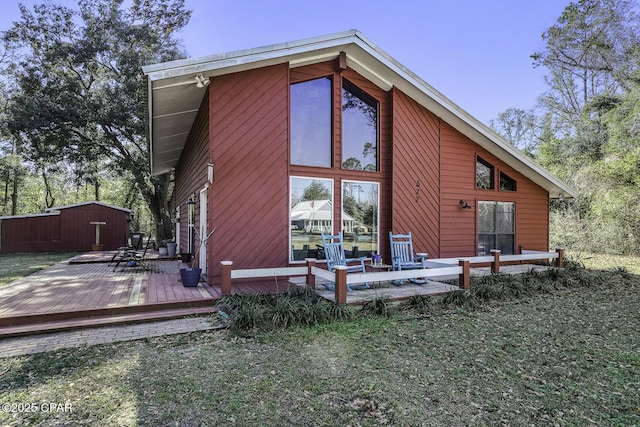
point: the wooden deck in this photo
(87, 292)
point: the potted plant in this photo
(190, 276)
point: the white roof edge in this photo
(284, 51)
(191, 65)
(75, 205)
(29, 215)
(480, 127)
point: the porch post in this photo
(311, 278)
(495, 264)
(560, 259)
(225, 286)
(464, 281)
(341, 284)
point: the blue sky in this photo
(477, 53)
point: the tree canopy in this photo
(76, 92)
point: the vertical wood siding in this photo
(416, 170)
(69, 231)
(249, 114)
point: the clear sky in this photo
(476, 52)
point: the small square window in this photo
(484, 175)
(507, 183)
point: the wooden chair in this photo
(403, 257)
(334, 254)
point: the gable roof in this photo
(174, 98)
(75, 205)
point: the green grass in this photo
(567, 356)
(15, 266)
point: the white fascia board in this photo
(487, 136)
(2, 218)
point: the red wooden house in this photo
(258, 136)
(65, 228)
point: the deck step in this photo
(102, 320)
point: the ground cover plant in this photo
(564, 352)
(15, 266)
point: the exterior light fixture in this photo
(464, 204)
(200, 80)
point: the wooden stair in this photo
(60, 321)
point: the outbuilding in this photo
(78, 227)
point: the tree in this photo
(519, 128)
(316, 191)
(78, 88)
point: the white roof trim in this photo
(383, 70)
(75, 205)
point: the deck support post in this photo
(225, 286)
(311, 278)
(464, 281)
(495, 264)
(341, 284)
(560, 259)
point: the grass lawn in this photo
(568, 357)
(15, 266)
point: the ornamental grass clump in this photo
(381, 305)
(421, 304)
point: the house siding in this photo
(249, 114)
(191, 170)
(457, 178)
(425, 167)
(416, 169)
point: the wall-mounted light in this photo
(464, 204)
(191, 202)
(200, 80)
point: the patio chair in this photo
(403, 257)
(334, 254)
(135, 257)
(134, 243)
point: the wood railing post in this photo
(341, 284)
(560, 259)
(464, 280)
(495, 264)
(311, 278)
(225, 286)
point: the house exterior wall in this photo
(458, 182)
(424, 168)
(191, 170)
(416, 174)
(70, 230)
(249, 115)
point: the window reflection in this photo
(360, 212)
(311, 214)
(311, 123)
(496, 227)
(359, 129)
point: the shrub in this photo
(422, 304)
(380, 306)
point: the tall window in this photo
(311, 214)
(360, 213)
(484, 175)
(359, 129)
(311, 123)
(496, 227)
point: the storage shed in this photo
(65, 228)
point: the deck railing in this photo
(437, 268)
